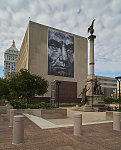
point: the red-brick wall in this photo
(67, 92)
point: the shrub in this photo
(110, 100)
(25, 105)
(67, 105)
(2, 102)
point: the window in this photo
(109, 84)
(6, 65)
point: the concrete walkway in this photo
(44, 124)
(87, 119)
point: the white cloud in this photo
(69, 15)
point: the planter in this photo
(109, 115)
(45, 113)
(3, 109)
(53, 113)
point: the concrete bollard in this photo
(78, 124)
(18, 130)
(116, 121)
(8, 111)
(12, 114)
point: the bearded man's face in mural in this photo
(60, 54)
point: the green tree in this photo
(26, 85)
(15, 85)
(4, 88)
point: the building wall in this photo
(22, 61)
(38, 56)
(117, 94)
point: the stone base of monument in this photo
(98, 103)
(95, 103)
(88, 107)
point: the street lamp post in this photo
(116, 93)
(58, 84)
(119, 79)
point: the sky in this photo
(73, 16)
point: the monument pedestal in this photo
(95, 103)
(98, 103)
(89, 105)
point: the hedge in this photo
(25, 105)
(110, 100)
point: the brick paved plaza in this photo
(95, 137)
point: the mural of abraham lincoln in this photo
(60, 54)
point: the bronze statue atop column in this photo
(91, 29)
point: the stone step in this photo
(98, 105)
(100, 109)
(101, 102)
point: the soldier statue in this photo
(97, 88)
(84, 97)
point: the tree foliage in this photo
(26, 85)
(4, 88)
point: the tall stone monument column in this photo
(91, 77)
(91, 38)
(94, 95)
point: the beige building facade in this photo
(108, 85)
(10, 59)
(54, 55)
